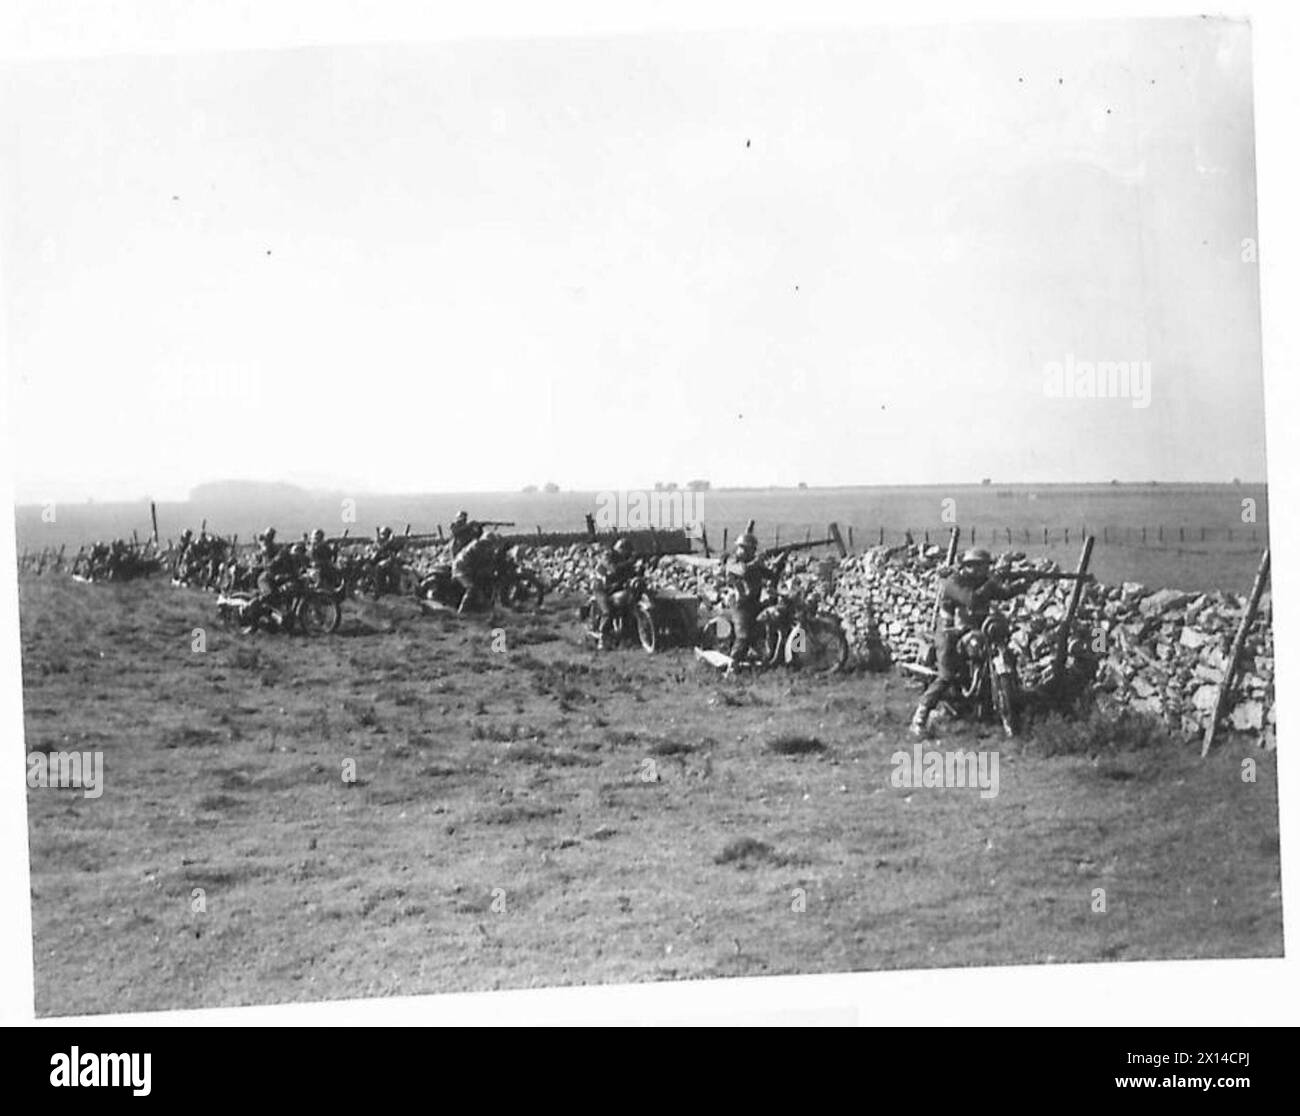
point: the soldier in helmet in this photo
(384, 556)
(320, 557)
(614, 574)
(472, 567)
(964, 603)
(277, 567)
(464, 531)
(748, 575)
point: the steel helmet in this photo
(462, 516)
(622, 547)
(747, 542)
(298, 549)
(269, 534)
(975, 556)
(318, 535)
(386, 533)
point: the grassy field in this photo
(528, 813)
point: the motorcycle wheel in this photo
(317, 614)
(1004, 702)
(819, 646)
(772, 644)
(645, 629)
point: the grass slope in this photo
(541, 815)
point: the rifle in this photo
(790, 548)
(1008, 574)
(496, 523)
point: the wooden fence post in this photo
(1067, 625)
(850, 536)
(1234, 656)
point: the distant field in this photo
(1216, 549)
(543, 815)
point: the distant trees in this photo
(550, 486)
(698, 485)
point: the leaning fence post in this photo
(1067, 625)
(1234, 656)
(725, 530)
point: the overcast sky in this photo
(759, 259)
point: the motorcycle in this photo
(295, 607)
(391, 576)
(987, 687)
(515, 585)
(792, 628)
(989, 683)
(632, 617)
(510, 584)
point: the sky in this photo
(760, 259)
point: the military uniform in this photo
(963, 604)
(472, 568)
(278, 566)
(614, 573)
(464, 532)
(748, 577)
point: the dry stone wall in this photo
(1161, 652)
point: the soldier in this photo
(277, 568)
(614, 574)
(384, 557)
(964, 604)
(320, 556)
(98, 555)
(186, 542)
(472, 568)
(463, 532)
(748, 575)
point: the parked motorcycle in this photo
(296, 607)
(988, 685)
(792, 628)
(510, 584)
(633, 617)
